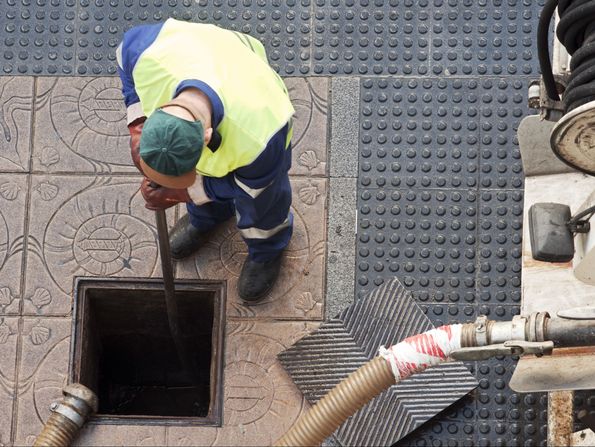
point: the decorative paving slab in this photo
(9, 328)
(70, 206)
(42, 367)
(298, 293)
(85, 226)
(260, 401)
(80, 126)
(13, 208)
(16, 97)
(385, 316)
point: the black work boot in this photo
(185, 239)
(257, 279)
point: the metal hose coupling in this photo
(67, 416)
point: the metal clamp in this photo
(512, 347)
(481, 330)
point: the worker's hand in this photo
(135, 128)
(160, 197)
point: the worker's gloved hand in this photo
(159, 197)
(135, 128)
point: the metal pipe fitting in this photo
(67, 416)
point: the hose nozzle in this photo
(67, 416)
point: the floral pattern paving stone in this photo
(13, 196)
(16, 99)
(80, 126)
(8, 354)
(85, 226)
(43, 372)
(309, 97)
(121, 435)
(261, 402)
(298, 293)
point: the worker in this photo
(210, 126)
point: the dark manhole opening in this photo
(123, 350)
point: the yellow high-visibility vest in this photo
(255, 100)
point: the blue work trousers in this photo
(259, 194)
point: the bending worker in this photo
(210, 126)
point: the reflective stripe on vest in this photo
(255, 100)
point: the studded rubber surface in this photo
(440, 182)
(320, 37)
(440, 203)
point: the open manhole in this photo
(124, 352)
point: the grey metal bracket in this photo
(512, 347)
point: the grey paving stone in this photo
(344, 127)
(299, 291)
(85, 226)
(424, 237)
(309, 97)
(13, 204)
(340, 270)
(80, 38)
(419, 133)
(500, 250)
(16, 97)
(43, 372)
(9, 329)
(80, 127)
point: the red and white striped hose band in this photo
(416, 353)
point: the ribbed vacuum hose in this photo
(68, 416)
(57, 431)
(332, 410)
(412, 355)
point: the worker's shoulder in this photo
(142, 32)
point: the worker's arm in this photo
(131, 100)
(135, 117)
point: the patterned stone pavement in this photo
(70, 206)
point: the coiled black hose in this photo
(576, 31)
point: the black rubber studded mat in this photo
(385, 316)
(440, 178)
(320, 37)
(440, 207)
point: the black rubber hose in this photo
(576, 31)
(543, 53)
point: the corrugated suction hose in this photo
(414, 354)
(332, 410)
(67, 416)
